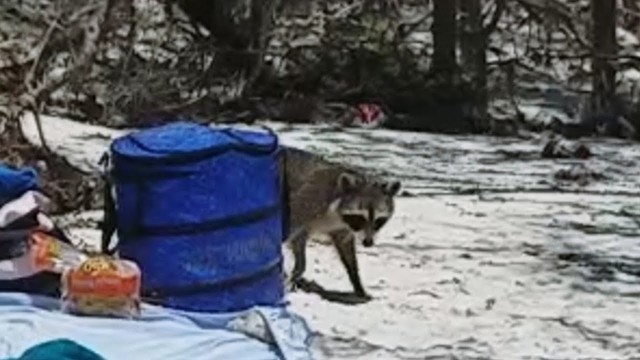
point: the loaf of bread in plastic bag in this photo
(102, 286)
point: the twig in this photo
(88, 53)
(36, 97)
(33, 102)
(30, 102)
(186, 104)
(43, 44)
(497, 14)
(87, 9)
(36, 114)
(345, 11)
(558, 10)
(409, 28)
(262, 25)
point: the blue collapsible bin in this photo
(200, 211)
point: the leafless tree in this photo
(444, 40)
(473, 50)
(240, 28)
(604, 49)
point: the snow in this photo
(544, 115)
(81, 145)
(487, 275)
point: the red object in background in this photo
(369, 115)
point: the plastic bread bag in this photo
(102, 286)
(26, 252)
(50, 254)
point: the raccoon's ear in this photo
(391, 188)
(347, 182)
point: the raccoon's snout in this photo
(367, 242)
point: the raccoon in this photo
(327, 198)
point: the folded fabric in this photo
(15, 269)
(13, 244)
(62, 349)
(28, 221)
(17, 218)
(15, 182)
(17, 266)
(42, 283)
(22, 205)
(159, 334)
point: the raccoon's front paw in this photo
(294, 284)
(354, 299)
(290, 285)
(364, 297)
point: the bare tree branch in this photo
(558, 10)
(497, 14)
(36, 95)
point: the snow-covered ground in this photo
(486, 261)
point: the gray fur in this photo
(321, 193)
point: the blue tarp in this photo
(15, 182)
(160, 334)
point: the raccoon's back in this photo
(311, 185)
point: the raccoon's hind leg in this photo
(342, 297)
(346, 246)
(298, 243)
(344, 241)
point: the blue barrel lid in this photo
(190, 141)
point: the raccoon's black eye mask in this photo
(379, 223)
(358, 222)
(355, 222)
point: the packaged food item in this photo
(97, 285)
(102, 286)
(50, 254)
(28, 252)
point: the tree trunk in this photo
(603, 17)
(473, 44)
(444, 39)
(262, 16)
(631, 18)
(241, 29)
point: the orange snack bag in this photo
(50, 254)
